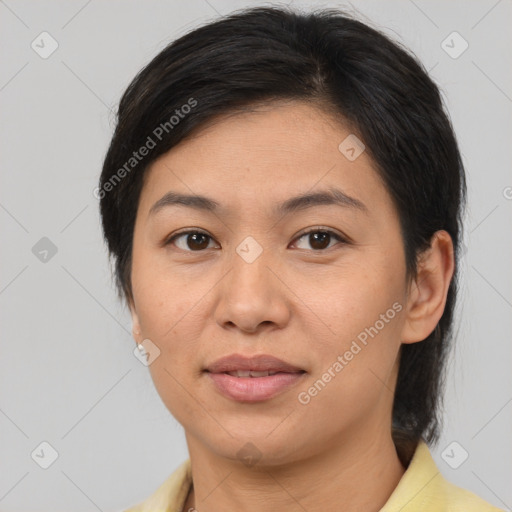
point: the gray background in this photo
(68, 373)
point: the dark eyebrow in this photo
(323, 197)
(332, 196)
(192, 201)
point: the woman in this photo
(282, 198)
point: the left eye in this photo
(196, 241)
(319, 238)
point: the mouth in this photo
(254, 374)
(252, 364)
(253, 379)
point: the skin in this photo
(302, 305)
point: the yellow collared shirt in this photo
(421, 488)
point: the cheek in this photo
(363, 310)
(174, 391)
(352, 298)
(354, 365)
(167, 314)
(165, 299)
(170, 320)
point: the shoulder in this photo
(170, 495)
(423, 487)
(459, 499)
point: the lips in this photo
(254, 365)
(251, 373)
(253, 379)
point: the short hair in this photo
(351, 71)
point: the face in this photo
(319, 284)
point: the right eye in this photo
(191, 241)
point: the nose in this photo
(252, 296)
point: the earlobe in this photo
(136, 330)
(428, 291)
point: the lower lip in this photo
(254, 389)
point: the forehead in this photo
(265, 155)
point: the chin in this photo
(256, 447)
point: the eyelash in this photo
(341, 239)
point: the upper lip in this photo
(258, 363)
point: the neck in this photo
(359, 475)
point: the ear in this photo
(136, 330)
(427, 292)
